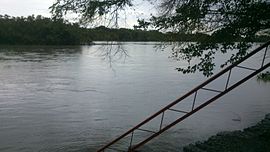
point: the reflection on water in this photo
(69, 99)
(109, 52)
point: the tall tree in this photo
(231, 24)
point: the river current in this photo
(79, 98)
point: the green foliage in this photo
(37, 30)
(265, 77)
(102, 33)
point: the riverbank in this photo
(252, 139)
(265, 77)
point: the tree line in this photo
(39, 30)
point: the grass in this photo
(265, 77)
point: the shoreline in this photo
(252, 139)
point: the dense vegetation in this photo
(38, 30)
(265, 77)
(109, 34)
(252, 139)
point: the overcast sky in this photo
(40, 7)
(25, 7)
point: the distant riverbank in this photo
(252, 139)
(39, 30)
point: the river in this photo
(59, 98)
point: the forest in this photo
(39, 30)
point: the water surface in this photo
(79, 98)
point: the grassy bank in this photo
(252, 139)
(264, 76)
